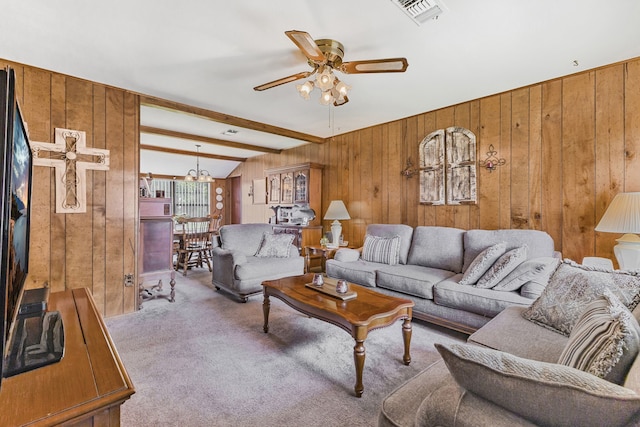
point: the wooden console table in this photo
(86, 388)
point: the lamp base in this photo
(336, 232)
(627, 252)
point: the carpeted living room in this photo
(365, 213)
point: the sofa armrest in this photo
(224, 263)
(229, 256)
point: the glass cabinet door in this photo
(274, 188)
(301, 187)
(287, 188)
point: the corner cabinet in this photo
(296, 185)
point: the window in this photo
(190, 199)
(448, 167)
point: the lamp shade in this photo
(622, 215)
(337, 210)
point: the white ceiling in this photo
(210, 54)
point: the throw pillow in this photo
(385, 250)
(537, 270)
(572, 287)
(503, 266)
(275, 245)
(482, 263)
(604, 340)
(544, 393)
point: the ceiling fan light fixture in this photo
(305, 89)
(325, 79)
(342, 88)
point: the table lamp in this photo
(337, 210)
(623, 216)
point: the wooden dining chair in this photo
(195, 243)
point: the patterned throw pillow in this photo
(275, 245)
(385, 250)
(544, 393)
(536, 270)
(604, 340)
(572, 287)
(503, 266)
(482, 263)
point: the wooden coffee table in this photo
(368, 311)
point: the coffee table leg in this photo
(406, 336)
(359, 356)
(266, 304)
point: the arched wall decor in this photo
(448, 167)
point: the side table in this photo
(316, 254)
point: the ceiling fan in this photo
(325, 56)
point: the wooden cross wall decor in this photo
(71, 159)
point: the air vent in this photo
(421, 10)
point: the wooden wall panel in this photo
(93, 249)
(570, 145)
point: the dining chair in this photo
(194, 243)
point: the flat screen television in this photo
(27, 340)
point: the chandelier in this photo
(332, 90)
(198, 174)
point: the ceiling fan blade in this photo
(390, 65)
(307, 45)
(284, 80)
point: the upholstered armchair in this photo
(244, 255)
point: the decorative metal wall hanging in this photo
(71, 159)
(492, 161)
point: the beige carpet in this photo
(205, 361)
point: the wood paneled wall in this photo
(97, 248)
(570, 144)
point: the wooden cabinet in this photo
(155, 249)
(296, 184)
(86, 388)
(304, 235)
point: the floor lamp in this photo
(623, 216)
(337, 210)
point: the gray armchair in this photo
(239, 269)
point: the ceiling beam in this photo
(207, 139)
(191, 153)
(230, 120)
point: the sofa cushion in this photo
(411, 279)
(511, 333)
(275, 245)
(385, 250)
(360, 272)
(537, 270)
(572, 287)
(245, 238)
(485, 302)
(604, 340)
(405, 233)
(475, 241)
(256, 267)
(482, 263)
(545, 393)
(503, 266)
(437, 247)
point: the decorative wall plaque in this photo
(71, 159)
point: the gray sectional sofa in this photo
(508, 374)
(430, 265)
(238, 266)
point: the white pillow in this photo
(347, 255)
(482, 263)
(502, 267)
